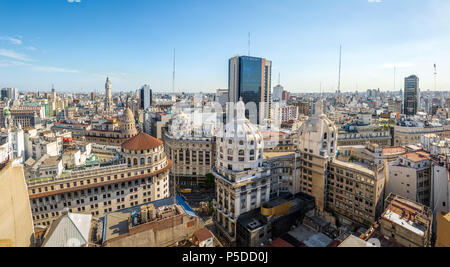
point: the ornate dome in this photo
(183, 126)
(318, 135)
(141, 141)
(127, 124)
(239, 144)
(6, 112)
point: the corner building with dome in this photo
(242, 180)
(142, 177)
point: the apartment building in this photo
(142, 177)
(356, 191)
(191, 148)
(406, 221)
(410, 177)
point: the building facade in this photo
(250, 78)
(142, 177)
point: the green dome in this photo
(6, 112)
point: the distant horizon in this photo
(75, 45)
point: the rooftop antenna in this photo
(279, 78)
(249, 43)
(340, 69)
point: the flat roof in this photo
(310, 238)
(393, 150)
(354, 242)
(417, 156)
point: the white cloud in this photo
(374, 1)
(14, 55)
(54, 69)
(11, 40)
(12, 63)
(74, 1)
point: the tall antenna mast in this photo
(435, 77)
(173, 78)
(249, 43)
(279, 78)
(395, 74)
(340, 68)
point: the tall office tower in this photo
(222, 97)
(277, 93)
(412, 95)
(108, 95)
(53, 93)
(146, 97)
(10, 93)
(250, 78)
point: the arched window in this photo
(241, 152)
(252, 152)
(135, 162)
(142, 161)
(325, 135)
(149, 160)
(241, 143)
(129, 162)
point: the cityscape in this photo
(248, 162)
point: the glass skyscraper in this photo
(250, 79)
(146, 97)
(411, 97)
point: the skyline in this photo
(133, 43)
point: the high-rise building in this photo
(317, 147)
(250, 79)
(242, 182)
(412, 95)
(108, 95)
(10, 93)
(277, 93)
(146, 97)
(222, 97)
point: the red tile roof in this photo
(142, 141)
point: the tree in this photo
(210, 180)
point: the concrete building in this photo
(142, 176)
(283, 114)
(277, 93)
(317, 147)
(242, 182)
(356, 191)
(410, 177)
(16, 223)
(222, 97)
(443, 229)
(111, 132)
(191, 146)
(160, 223)
(406, 221)
(272, 220)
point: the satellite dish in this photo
(375, 241)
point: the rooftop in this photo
(393, 150)
(417, 156)
(142, 141)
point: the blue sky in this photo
(76, 44)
